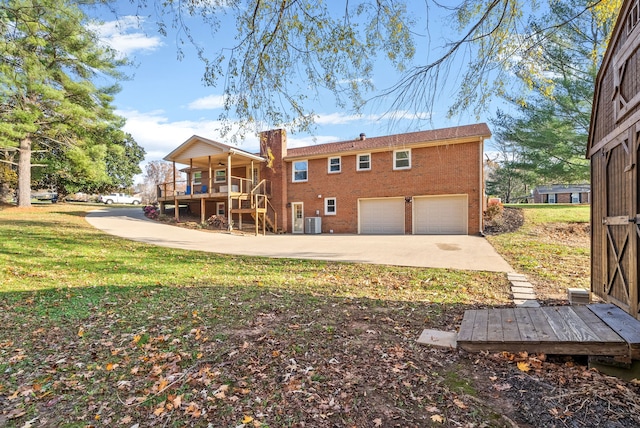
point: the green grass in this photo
(552, 247)
(554, 213)
(98, 325)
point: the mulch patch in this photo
(510, 220)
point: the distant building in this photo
(562, 194)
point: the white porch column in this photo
(229, 226)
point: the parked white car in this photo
(120, 198)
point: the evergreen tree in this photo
(48, 99)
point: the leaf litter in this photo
(287, 361)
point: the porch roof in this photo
(198, 150)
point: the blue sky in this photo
(165, 101)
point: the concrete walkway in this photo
(438, 251)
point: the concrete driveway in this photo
(438, 251)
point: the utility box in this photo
(313, 225)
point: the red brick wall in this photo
(273, 146)
(441, 170)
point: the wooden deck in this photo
(597, 329)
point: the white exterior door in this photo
(440, 215)
(297, 221)
(381, 216)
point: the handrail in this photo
(275, 215)
(171, 188)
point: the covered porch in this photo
(221, 181)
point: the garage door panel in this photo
(383, 216)
(440, 215)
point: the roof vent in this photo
(363, 136)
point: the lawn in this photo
(100, 331)
(552, 248)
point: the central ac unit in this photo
(312, 225)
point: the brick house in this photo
(562, 194)
(428, 182)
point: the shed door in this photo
(383, 216)
(440, 215)
(621, 224)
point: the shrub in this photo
(494, 209)
(151, 211)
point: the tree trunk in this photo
(24, 173)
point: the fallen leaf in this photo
(501, 386)
(177, 402)
(523, 366)
(29, 423)
(459, 403)
(437, 418)
(80, 332)
(377, 422)
(16, 413)
(247, 419)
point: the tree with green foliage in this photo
(49, 102)
(550, 128)
(104, 163)
(505, 179)
(334, 47)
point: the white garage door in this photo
(440, 215)
(384, 216)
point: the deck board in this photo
(570, 324)
(528, 332)
(495, 328)
(542, 326)
(481, 325)
(466, 327)
(569, 330)
(511, 332)
(620, 322)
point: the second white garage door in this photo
(440, 215)
(383, 216)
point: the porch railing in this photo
(238, 185)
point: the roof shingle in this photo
(399, 140)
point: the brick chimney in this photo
(273, 147)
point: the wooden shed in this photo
(615, 178)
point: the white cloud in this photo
(159, 136)
(210, 102)
(126, 36)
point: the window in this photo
(300, 171)
(552, 198)
(402, 159)
(334, 165)
(329, 206)
(364, 162)
(634, 17)
(575, 198)
(220, 209)
(197, 177)
(220, 175)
